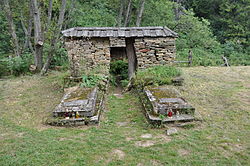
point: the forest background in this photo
(30, 29)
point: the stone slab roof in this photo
(119, 32)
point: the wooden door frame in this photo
(132, 59)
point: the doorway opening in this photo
(119, 66)
(123, 63)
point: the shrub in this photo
(91, 80)
(195, 34)
(19, 65)
(4, 69)
(157, 75)
(119, 68)
(124, 83)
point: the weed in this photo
(220, 95)
(91, 80)
(158, 75)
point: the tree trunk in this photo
(12, 29)
(119, 20)
(70, 14)
(27, 33)
(61, 17)
(128, 14)
(178, 9)
(50, 12)
(140, 12)
(55, 37)
(132, 62)
(38, 36)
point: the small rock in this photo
(171, 131)
(183, 152)
(122, 124)
(118, 95)
(119, 154)
(129, 138)
(146, 136)
(147, 143)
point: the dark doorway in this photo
(118, 53)
(119, 66)
(123, 63)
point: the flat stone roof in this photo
(119, 32)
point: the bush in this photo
(91, 80)
(119, 68)
(124, 83)
(195, 34)
(157, 75)
(119, 72)
(4, 69)
(19, 65)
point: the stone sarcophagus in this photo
(79, 106)
(164, 104)
(81, 101)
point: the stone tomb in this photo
(79, 106)
(164, 104)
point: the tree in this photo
(178, 9)
(27, 31)
(121, 11)
(12, 28)
(128, 13)
(229, 18)
(55, 37)
(140, 12)
(38, 35)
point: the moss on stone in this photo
(79, 94)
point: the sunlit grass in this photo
(220, 96)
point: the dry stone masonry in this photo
(154, 51)
(86, 54)
(89, 47)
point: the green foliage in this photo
(196, 35)
(119, 73)
(194, 32)
(112, 80)
(157, 75)
(5, 44)
(124, 83)
(119, 68)
(236, 53)
(15, 65)
(19, 65)
(95, 13)
(4, 70)
(211, 21)
(60, 57)
(158, 13)
(91, 80)
(229, 19)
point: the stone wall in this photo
(117, 42)
(86, 54)
(154, 51)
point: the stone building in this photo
(90, 47)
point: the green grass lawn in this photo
(221, 97)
